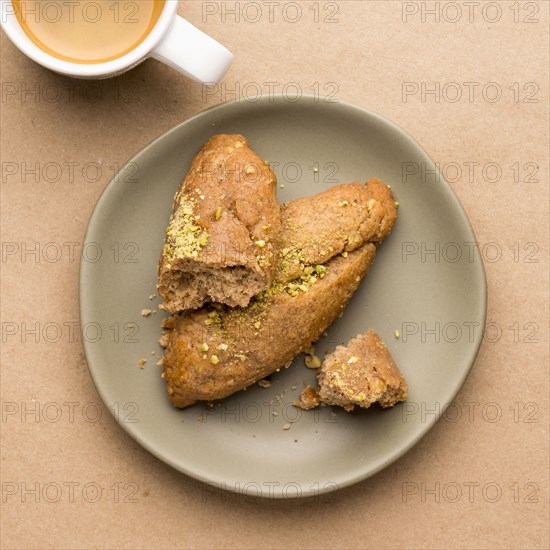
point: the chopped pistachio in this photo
(260, 243)
(344, 254)
(184, 236)
(219, 211)
(223, 347)
(312, 362)
(214, 359)
(204, 347)
(352, 360)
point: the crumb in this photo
(295, 441)
(286, 426)
(282, 186)
(396, 334)
(141, 363)
(167, 323)
(308, 399)
(152, 296)
(264, 383)
(153, 353)
(159, 362)
(163, 340)
(146, 312)
(293, 387)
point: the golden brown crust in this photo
(217, 351)
(223, 239)
(360, 374)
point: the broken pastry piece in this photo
(222, 242)
(216, 351)
(360, 374)
(309, 399)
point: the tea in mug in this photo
(85, 31)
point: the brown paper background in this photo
(364, 57)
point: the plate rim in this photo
(275, 100)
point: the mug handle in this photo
(192, 52)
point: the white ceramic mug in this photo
(173, 40)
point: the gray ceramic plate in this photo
(436, 300)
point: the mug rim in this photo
(14, 31)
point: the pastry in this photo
(360, 374)
(222, 241)
(328, 244)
